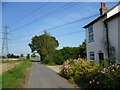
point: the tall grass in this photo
(15, 78)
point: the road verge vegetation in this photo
(15, 78)
(89, 75)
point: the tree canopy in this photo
(44, 45)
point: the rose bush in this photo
(104, 77)
(89, 75)
(75, 69)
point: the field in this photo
(15, 77)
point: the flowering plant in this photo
(106, 77)
(73, 69)
(90, 75)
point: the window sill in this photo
(91, 42)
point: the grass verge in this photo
(15, 78)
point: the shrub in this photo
(89, 75)
(106, 77)
(74, 69)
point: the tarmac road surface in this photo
(43, 77)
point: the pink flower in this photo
(97, 82)
(65, 66)
(66, 70)
(93, 80)
(112, 70)
(95, 77)
(105, 70)
(102, 72)
(90, 82)
(75, 60)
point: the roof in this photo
(91, 23)
(117, 14)
(113, 7)
(97, 19)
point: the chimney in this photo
(103, 8)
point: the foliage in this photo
(107, 62)
(58, 58)
(45, 46)
(15, 77)
(21, 55)
(12, 56)
(73, 52)
(33, 55)
(74, 69)
(105, 77)
(28, 56)
(90, 75)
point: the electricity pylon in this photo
(5, 33)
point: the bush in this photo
(106, 77)
(74, 69)
(89, 75)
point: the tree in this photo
(73, 52)
(12, 56)
(33, 55)
(82, 50)
(21, 55)
(28, 56)
(45, 45)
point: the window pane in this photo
(90, 29)
(91, 35)
(91, 55)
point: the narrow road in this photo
(43, 77)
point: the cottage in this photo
(103, 35)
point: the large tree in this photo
(45, 45)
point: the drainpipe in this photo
(107, 38)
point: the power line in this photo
(37, 19)
(69, 33)
(5, 33)
(75, 21)
(68, 23)
(61, 35)
(30, 13)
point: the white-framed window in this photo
(92, 55)
(91, 34)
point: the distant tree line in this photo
(46, 45)
(12, 56)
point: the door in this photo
(101, 57)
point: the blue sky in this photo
(13, 11)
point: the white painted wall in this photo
(99, 43)
(90, 46)
(118, 39)
(113, 11)
(99, 40)
(113, 36)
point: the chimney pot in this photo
(103, 8)
(103, 5)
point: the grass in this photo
(12, 61)
(0, 82)
(15, 78)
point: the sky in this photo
(17, 14)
